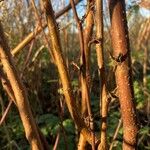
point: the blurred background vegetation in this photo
(40, 76)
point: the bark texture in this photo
(20, 94)
(121, 52)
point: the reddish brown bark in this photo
(120, 42)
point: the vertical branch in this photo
(100, 59)
(63, 72)
(20, 94)
(85, 93)
(84, 85)
(80, 29)
(123, 73)
(85, 64)
(88, 31)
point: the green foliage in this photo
(144, 131)
(70, 135)
(14, 134)
(48, 123)
(51, 125)
(113, 121)
(74, 84)
(148, 82)
(138, 95)
(144, 135)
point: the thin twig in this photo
(115, 134)
(75, 65)
(56, 141)
(41, 25)
(5, 113)
(37, 54)
(27, 60)
(7, 87)
(5, 127)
